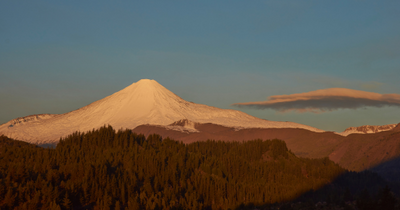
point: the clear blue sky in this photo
(57, 56)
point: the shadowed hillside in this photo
(354, 152)
(389, 169)
(362, 151)
(303, 143)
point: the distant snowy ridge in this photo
(143, 102)
(183, 125)
(365, 129)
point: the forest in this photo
(108, 169)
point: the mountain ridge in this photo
(143, 102)
(365, 129)
(355, 152)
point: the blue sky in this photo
(57, 56)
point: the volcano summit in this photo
(143, 102)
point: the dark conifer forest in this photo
(108, 169)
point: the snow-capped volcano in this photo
(143, 102)
(365, 129)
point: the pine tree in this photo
(34, 203)
(386, 199)
(117, 206)
(9, 199)
(133, 204)
(347, 196)
(54, 206)
(66, 202)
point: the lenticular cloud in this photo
(325, 100)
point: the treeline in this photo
(105, 169)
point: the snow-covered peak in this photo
(143, 102)
(145, 86)
(365, 129)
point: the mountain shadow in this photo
(390, 170)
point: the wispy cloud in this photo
(325, 100)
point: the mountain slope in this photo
(362, 151)
(354, 152)
(301, 142)
(143, 102)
